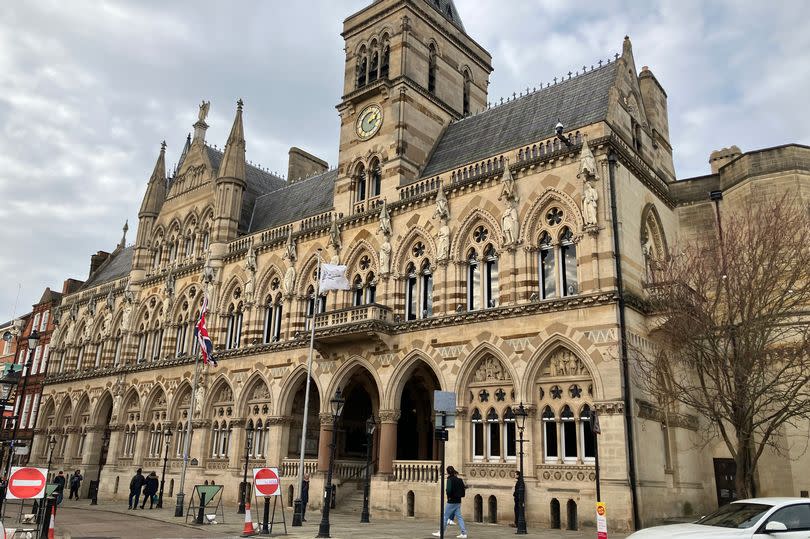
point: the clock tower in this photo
(411, 69)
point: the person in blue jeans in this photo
(135, 486)
(452, 510)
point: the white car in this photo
(757, 518)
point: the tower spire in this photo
(233, 162)
(156, 189)
(123, 243)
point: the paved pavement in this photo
(79, 520)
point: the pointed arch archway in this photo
(291, 404)
(412, 387)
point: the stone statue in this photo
(110, 300)
(443, 243)
(249, 288)
(291, 251)
(208, 275)
(334, 235)
(385, 257)
(126, 316)
(589, 199)
(70, 331)
(170, 284)
(508, 185)
(88, 331)
(587, 163)
(91, 307)
(250, 268)
(509, 223)
(250, 260)
(56, 334)
(199, 399)
(204, 107)
(385, 220)
(74, 311)
(335, 259)
(107, 323)
(289, 281)
(442, 207)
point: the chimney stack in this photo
(303, 165)
(718, 158)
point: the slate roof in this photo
(295, 201)
(448, 10)
(117, 266)
(258, 181)
(576, 102)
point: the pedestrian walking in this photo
(59, 481)
(75, 482)
(452, 510)
(135, 486)
(516, 496)
(304, 496)
(150, 490)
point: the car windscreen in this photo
(736, 515)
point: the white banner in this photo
(333, 277)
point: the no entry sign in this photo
(266, 481)
(26, 483)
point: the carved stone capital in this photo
(461, 412)
(609, 407)
(201, 423)
(389, 416)
(326, 418)
(278, 420)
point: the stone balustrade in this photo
(417, 471)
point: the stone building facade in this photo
(481, 247)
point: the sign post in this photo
(26, 483)
(444, 406)
(601, 521)
(267, 484)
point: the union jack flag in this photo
(206, 347)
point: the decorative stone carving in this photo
(204, 107)
(91, 307)
(565, 363)
(250, 269)
(589, 202)
(385, 258)
(609, 407)
(88, 331)
(389, 416)
(442, 207)
(510, 225)
(490, 369)
(443, 243)
(385, 221)
(260, 393)
(107, 325)
(509, 190)
(334, 236)
(289, 281)
(290, 252)
(110, 301)
(587, 163)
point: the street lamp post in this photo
(33, 339)
(520, 419)
(370, 427)
(337, 408)
(167, 434)
(243, 496)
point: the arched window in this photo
(117, 349)
(373, 66)
(80, 357)
(273, 313)
(569, 435)
(493, 435)
(155, 439)
(432, 68)
(180, 438)
(362, 67)
(491, 284)
(568, 260)
(173, 249)
(311, 301)
(466, 96)
(357, 287)
(206, 238)
(188, 248)
(548, 281)
(360, 182)
(157, 255)
(586, 434)
(157, 341)
(142, 337)
(473, 281)
(233, 330)
(478, 435)
(550, 446)
(509, 435)
(375, 184)
(386, 59)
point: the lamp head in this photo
(371, 426)
(337, 403)
(520, 416)
(33, 339)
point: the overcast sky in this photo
(89, 88)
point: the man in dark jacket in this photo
(59, 481)
(135, 486)
(75, 483)
(452, 510)
(150, 490)
(304, 496)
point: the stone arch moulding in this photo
(289, 386)
(130, 396)
(177, 400)
(152, 397)
(533, 218)
(341, 377)
(359, 247)
(95, 414)
(650, 219)
(272, 269)
(227, 292)
(471, 363)
(543, 353)
(396, 382)
(245, 394)
(461, 243)
(403, 248)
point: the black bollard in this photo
(45, 521)
(332, 497)
(266, 523)
(201, 512)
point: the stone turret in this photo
(718, 158)
(150, 209)
(230, 186)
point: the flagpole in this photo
(178, 510)
(298, 511)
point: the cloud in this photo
(89, 89)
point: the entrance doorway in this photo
(362, 400)
(725, 475)
(415, 427)
(313, 421)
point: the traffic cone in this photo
(52, 524)
(247, 531)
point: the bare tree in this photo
(733, 340)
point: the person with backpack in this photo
(59, 491)
(75, 483)
(150, 490)
(135, 486)
(452, 510)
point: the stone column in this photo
(277, 435)
(141, 444)
(40, 439)
(90, 459)
(113, 452)
(236, 453)
(532, 452)
(200, 434)
(388, 440)
(324, 440)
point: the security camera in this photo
(559, 130)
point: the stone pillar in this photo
(40, 439)
(141, 443)
(277, 435)
(113, 452)
(236, 453)
(91, 457)
(532, 452)
(324, 440)
(388, 440)
(200, 434)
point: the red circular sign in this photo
(266, 481)
(26, 483)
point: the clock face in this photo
(369, 122)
